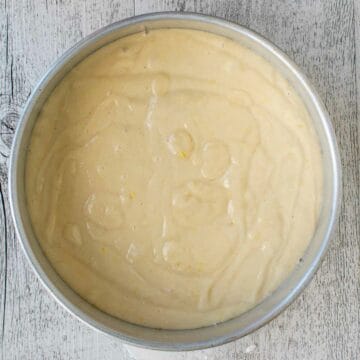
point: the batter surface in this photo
(174, 179)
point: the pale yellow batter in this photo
(174, 179)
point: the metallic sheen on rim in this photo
(270, 307)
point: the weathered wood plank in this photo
(322, 37)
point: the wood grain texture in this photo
(323, 37)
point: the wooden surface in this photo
(323, 37)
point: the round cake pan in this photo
(275, 302)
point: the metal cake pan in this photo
(177, 339)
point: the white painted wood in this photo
(323, 37)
